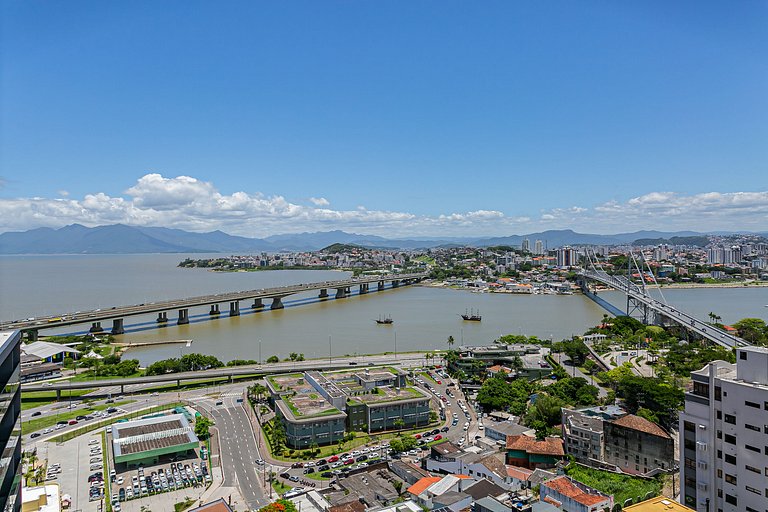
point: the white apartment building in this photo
(724, 436)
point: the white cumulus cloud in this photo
(319, 201)
(188, 203)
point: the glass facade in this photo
(10, 421)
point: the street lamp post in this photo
(259, 351)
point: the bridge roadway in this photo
(32, 326)
(637, 294)
(405, 359)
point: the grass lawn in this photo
(280, 486)
(316, 476)
(42, 422)
(427, 377)
(622, 487)
(31, 399)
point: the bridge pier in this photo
(363, 288)
(58, 395)
(162, 317)
(395, 283)
(32, 335)
(341, 293)
(257, 304)
(122, 388)
(277, 303)
(323, 293)
(214, 310)
(117, 326)
(96, 327)
(183, 317)
(380, 285)
(234, 308)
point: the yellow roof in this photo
(658, 504)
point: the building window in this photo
(719, 414)
(752, 469)
(730, 459)
(751, 404)
(750, 509)
(752, 448)
(731, 479)
(689, 427)
(718, 392)
(719, 473)
(730, 418)
(719, 434)
(730, 439)
(731, 500)
(701, 389)
(752, 489)
(719, 454)
(752, 427)
(742, 355)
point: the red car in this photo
(349, 461)
(333, 459)
(417, 436)
(438, 437)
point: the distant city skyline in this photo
(394, 119)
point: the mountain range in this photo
(122, 239)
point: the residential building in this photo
(608, 437)
(658, 504)
(724, 435)
(320, 407)
(567, 257)
(10, 421)
(636, 445)
(530, 453)
(538, 247)
(573, 496)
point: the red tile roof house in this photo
(573, 496)
(527, 452)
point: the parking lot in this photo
(74, 459)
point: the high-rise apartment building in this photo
(567, 257)
(724, 436)
(526, 247)
(538, 247)
(10, 422)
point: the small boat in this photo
(472, 316)
(385, 321)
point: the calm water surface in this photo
(424, 317)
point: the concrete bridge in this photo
(656, 312)
(117, 314)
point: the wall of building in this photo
(634, 450)
(10, 422)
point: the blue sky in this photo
(390, 118)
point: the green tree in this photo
(273, 359)
(545, 412)
(399, 423)
(753, 330)
(202, 427)
(450, 342)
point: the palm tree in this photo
(450, 342)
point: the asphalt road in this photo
(238, 449)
